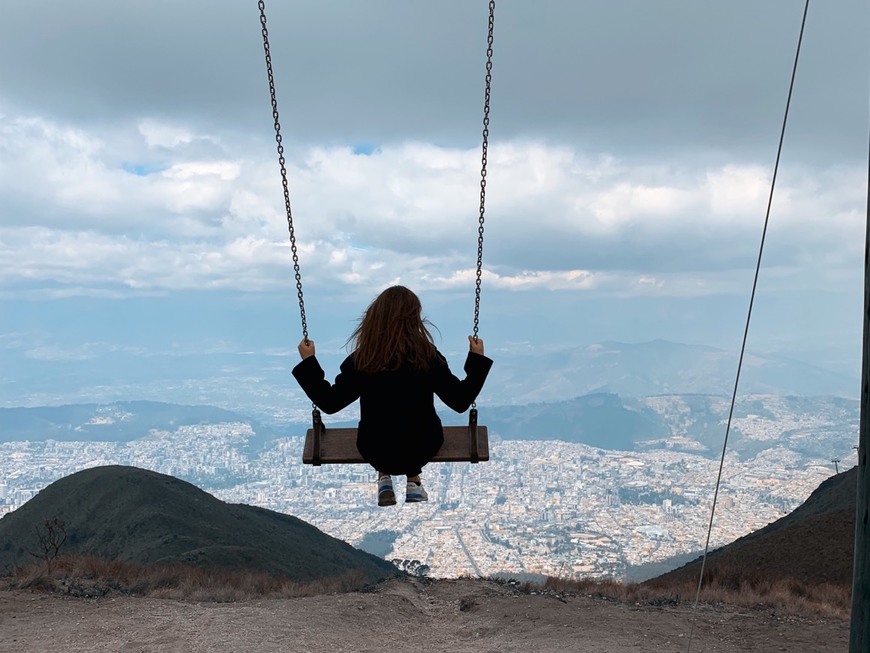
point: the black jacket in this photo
(399, 430)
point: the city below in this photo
(537, 507)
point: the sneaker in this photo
(414, 493)
(386, 495)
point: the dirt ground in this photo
(460, 616)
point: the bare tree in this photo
(50, 537)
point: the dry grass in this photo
(732, 586)
(90, 577)
(93, 577)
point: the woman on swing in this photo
(395, 371)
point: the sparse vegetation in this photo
(411, 567)
(50, 537)
(731, 586)
(91, 577)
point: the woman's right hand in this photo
(475, 345)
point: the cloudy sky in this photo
(632, 147)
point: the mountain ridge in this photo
(149, 518)
(119, 421)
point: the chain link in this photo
(282, 163)
(483, 155)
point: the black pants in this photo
(400, 456)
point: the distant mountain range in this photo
(121, 421)
(811, 426)
(659, 367)
(817, 427)
(132, 514)
(259, 384)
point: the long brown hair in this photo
(392, 332)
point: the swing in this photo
(338, 445)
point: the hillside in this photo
(142, 516)
(812, 544)
(809, 426)
(121, 421)
(598, 420)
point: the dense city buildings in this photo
(537, 507)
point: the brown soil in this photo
(460, 616)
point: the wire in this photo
(746, 328)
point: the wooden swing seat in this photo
(323, 445)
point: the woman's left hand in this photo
(306, 348)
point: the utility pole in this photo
(836, 466)
(859, 631)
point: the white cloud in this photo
(557, 218)
(524, 280)
(159, 134)
(738, 191)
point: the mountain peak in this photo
(128, 513)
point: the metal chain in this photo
(282, 163)
(483, 154)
